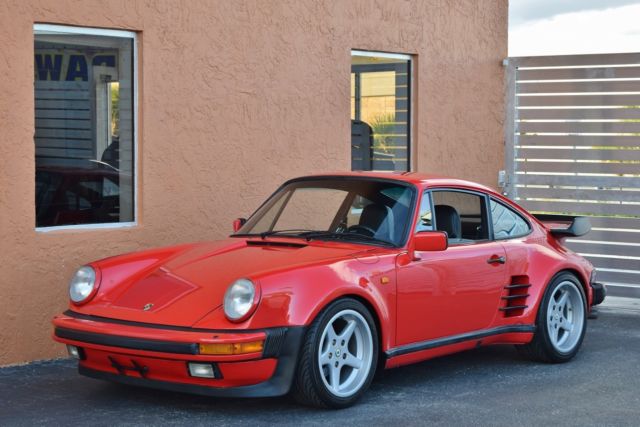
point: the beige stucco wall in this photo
(235, 97)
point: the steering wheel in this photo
(357, 228)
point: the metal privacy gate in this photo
(573, 147)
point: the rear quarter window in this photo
(507, 223)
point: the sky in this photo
(561, 27)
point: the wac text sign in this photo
(69, 66)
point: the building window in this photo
(380, 111)
(84, 126)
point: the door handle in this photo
(496, 260)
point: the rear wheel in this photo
(338, 357)
(561, 322)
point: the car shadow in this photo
(427, 376)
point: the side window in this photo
(507, 223)
(425, 216)
(462, 215)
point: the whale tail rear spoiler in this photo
(565, 225)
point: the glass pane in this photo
(83, 129)
(355, 210)
(353, 96)
(461, 215)
(345, 208)
(506, 223)
(380, 113)
(425, 218)
(310, 209)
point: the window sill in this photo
(104, 226)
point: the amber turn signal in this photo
(232, 348)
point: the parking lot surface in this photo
(488, 386)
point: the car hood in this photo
(179, 287)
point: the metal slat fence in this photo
(573, 147)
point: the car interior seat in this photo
(448, 219)
(379, 218)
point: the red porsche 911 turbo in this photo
(332, 278)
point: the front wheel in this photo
(561, 322)
(338, 357)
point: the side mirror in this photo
(238, 223)
(430, 241)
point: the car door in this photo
(446, 293)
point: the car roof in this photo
(419, 179)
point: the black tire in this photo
(309, 387)
(542, 347)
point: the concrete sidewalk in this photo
(488, 386)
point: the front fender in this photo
(295, 298)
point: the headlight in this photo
(82, 284)
(239, 299)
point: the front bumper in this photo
(157, 356)
(599, 292)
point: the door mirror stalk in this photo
(238, 223)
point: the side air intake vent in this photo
(517, 293)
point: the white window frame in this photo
(406, 57)
(44, 29)
(374, 54)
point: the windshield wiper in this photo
(294, 232)
(316, 234)
(347, 236)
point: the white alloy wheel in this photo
(345, 353)
(565, 316)
(561, 322)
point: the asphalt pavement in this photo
(487, 386)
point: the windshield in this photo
(369, 211)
